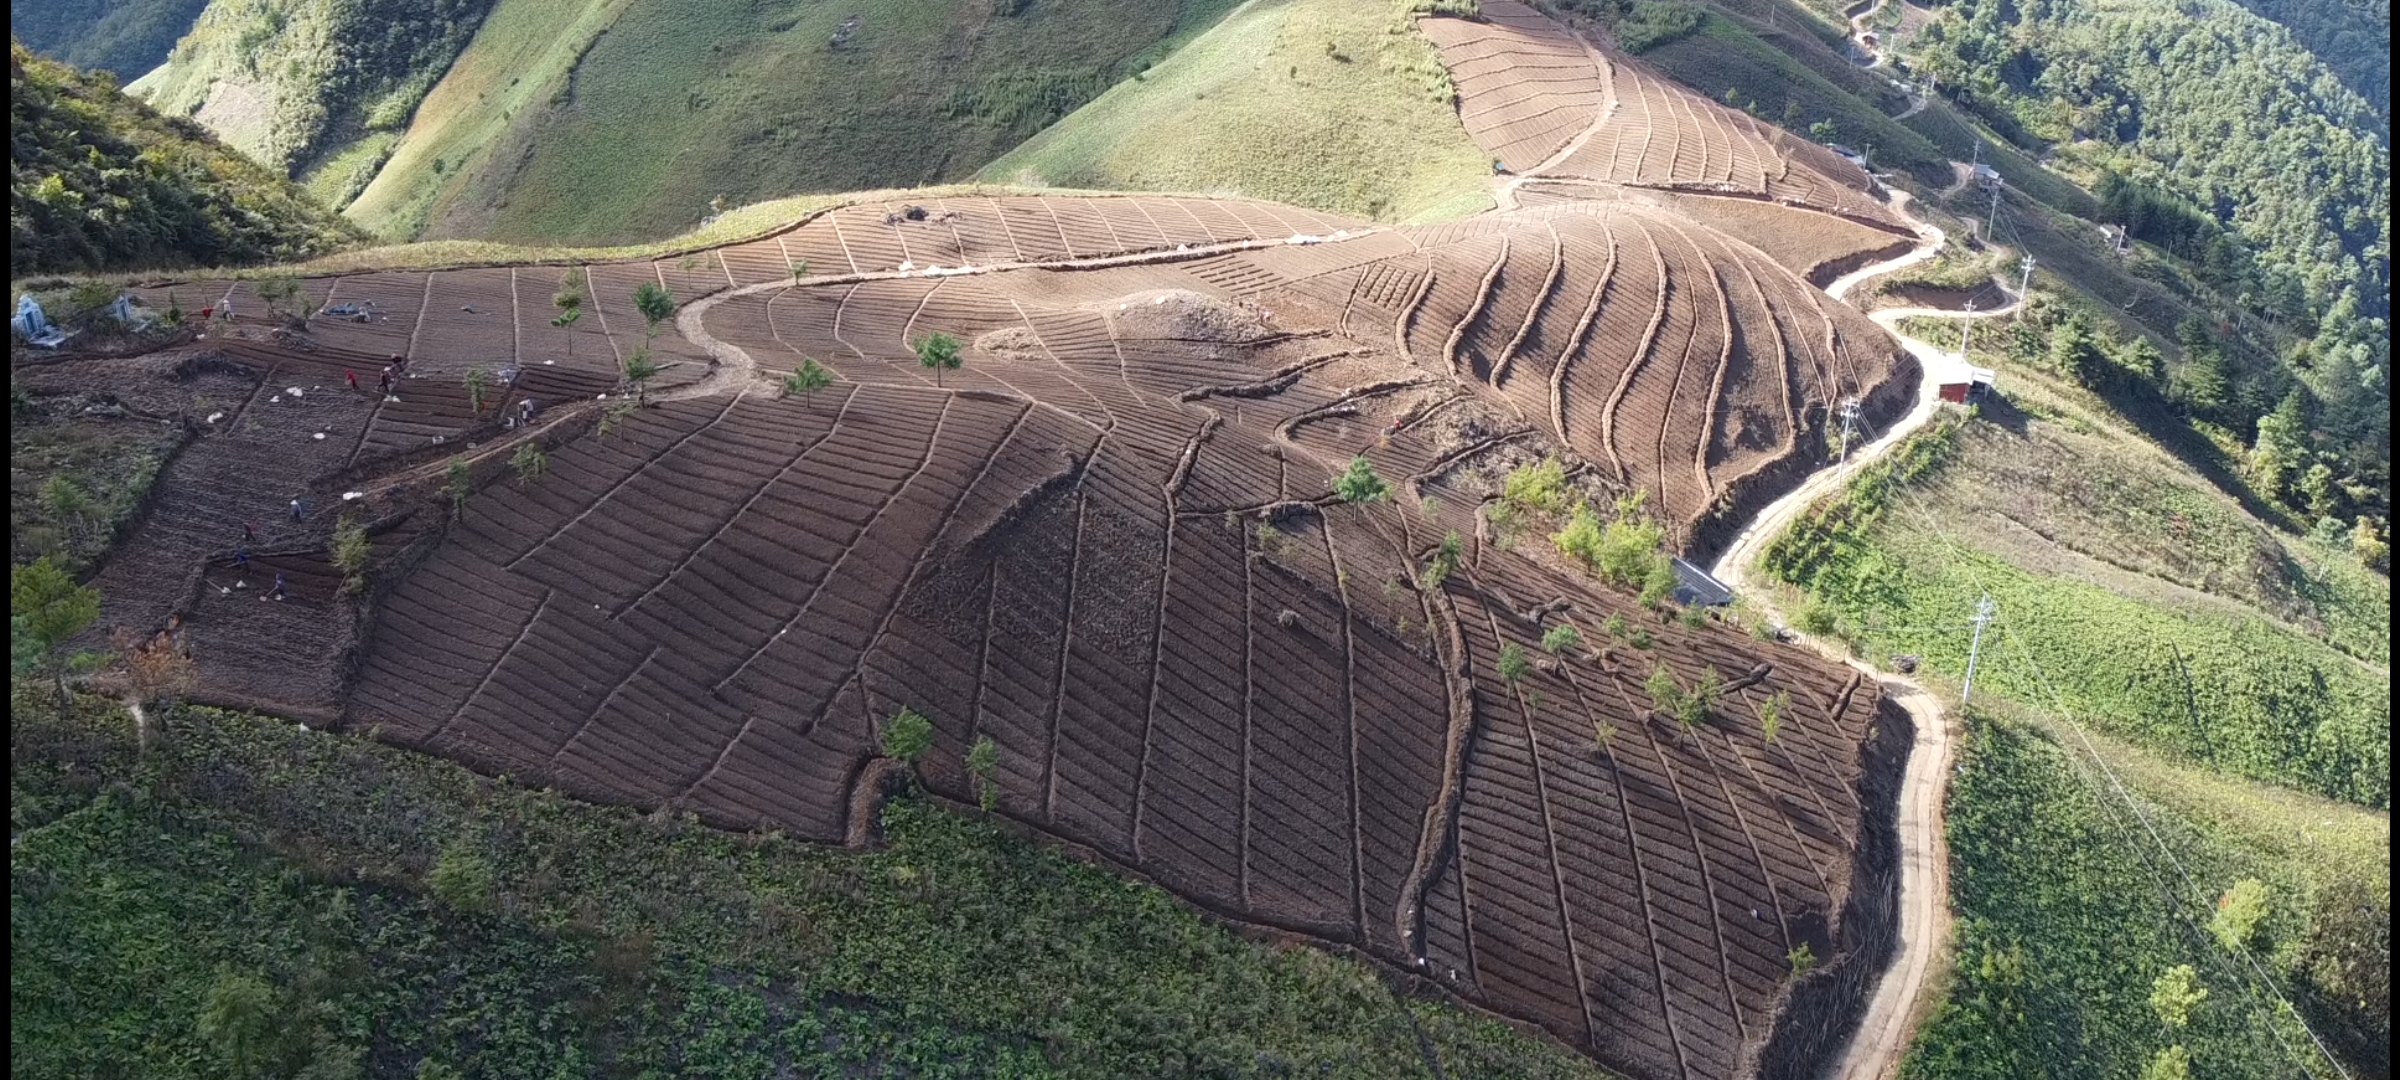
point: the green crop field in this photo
(330, 905)
(1334, 104)
(621, 122)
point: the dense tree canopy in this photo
(98, 181)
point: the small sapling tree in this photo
(530, 463)
(1445, 560)
(565, 322)
(1615, 626)
(1540, 487)
(1604, 734)
(479, 383)
(2176, 994)
(907, 737)
(1770, 715)
(1694, 616)
(280, 291)
(1513, 664)
(799, 270)
(1359, 484)
(652, 300)
(350, 551)
(639, 368)
(1560, 638)
(1666, 695)
(939, 352)
(2172, 1063)
(806, 380)
(2239, 911)
(46, 609)
(983, 767)
(240, 1020)
(461, 484)
(1803, 958)
(1580, 540)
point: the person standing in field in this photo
(352, 377)
(277, 593)
(296, 510)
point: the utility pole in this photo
(1849, 419)
(1966, 331)
(2024, 281)
(1989, 235)
(1985, 610)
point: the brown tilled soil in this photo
(1109, 544)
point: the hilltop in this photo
(99, 181)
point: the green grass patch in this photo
(399, 910)
(2069, 917)
(624, 122)
(2226, 688)
(72, 480)
(1334, 104)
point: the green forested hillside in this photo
(128, 37)
(2354, 39)
(569, 122)
(298, 83)
(99, 181)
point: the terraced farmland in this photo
(1547, 104)
(1111, 545)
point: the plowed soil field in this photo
(1110, 544)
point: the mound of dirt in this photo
(1183, 315)
(1010, 343)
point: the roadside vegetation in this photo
(2082, 949)
(1337, 105)
(251, 897)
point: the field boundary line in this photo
(493, 672)
(932, 444)
(620, 484)
(755, 495)
(1639, 359)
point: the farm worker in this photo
(399, 362)
(295, 509)
(241, 558)
(249, 533)
(383, 382)
(208, 313)
(277, 594)
(525, 410)
(352, 376)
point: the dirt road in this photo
(1899, 1000)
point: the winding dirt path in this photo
(1899, 1001)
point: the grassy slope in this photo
(1259, 106)
(621, 122)
(595, 942)
(2162, 610)
(2068, 914)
